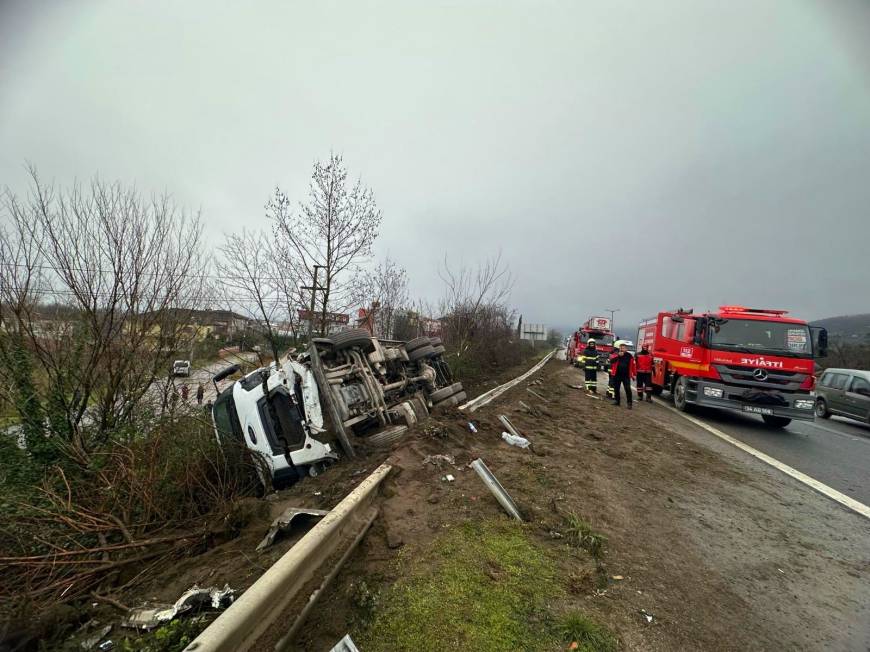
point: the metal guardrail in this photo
(486, 397)
(257, 610)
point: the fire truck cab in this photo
(758, 361)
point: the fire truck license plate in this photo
(757, 410)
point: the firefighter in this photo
(610, 360)
(590, 366)
(644, 361)
(622, 372)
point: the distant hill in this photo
(847, 327)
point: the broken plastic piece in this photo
(92, 641)
(151, 617)
(648, 617)
(471, 427)
(495, 487)
(448, 478)
(513, 440)
(345, 645)
(436, 460)
(284, 523)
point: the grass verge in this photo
(484, 586)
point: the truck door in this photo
(857, 398)
(675, 339)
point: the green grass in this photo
(574, 627)
(580, 533)
(483, 586)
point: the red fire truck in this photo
(755, 360)
(595, 328)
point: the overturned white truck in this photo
(367, 387)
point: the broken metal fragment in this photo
(284, 523)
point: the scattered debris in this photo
(92, 641)
(534, 393)
(345, 645)
(436, 460)
(648, 617)
(618, 577)
(150, 617)
(471, 427)
(284, 523)
(515, 440)
(106, 645)
(447, 478)
(575, 386)
(524, 407)
(495, 487)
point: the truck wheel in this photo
(416, 343)
(423, 352)
(356, 337)
(387, 436)
(450, 401)
(774, 421)
(680, 394)
(822, 409)
(444, 392)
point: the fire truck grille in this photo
(786, 381)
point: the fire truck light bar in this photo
(766, 311)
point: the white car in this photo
(181, 368)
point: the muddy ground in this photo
(723, 553)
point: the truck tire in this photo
(822, 409)
(416, 343)
(387, 436)
(450, 401)
(356, 337)
(422, 352)
(680, 393)
(775, 421)
(445, 392)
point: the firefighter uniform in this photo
(590, 366)
(611, 383)
(644, 362)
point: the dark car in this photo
(844, 392)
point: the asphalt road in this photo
(835, 451)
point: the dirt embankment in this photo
(653, 494)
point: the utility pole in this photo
(314, 287)
(612, 311)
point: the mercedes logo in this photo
(760, 374)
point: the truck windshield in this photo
(599, 338)
(756, 336)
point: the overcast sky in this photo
(632, 155)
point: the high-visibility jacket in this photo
(644, 362)
(631, 368)
(590, 358)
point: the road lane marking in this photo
(845, 435)
(823, 489)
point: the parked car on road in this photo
(181, 368)
(844, 392)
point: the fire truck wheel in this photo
(416, 343)
(444, 392)
(422, 352)
(822, 409)
(356, 337)
(680, 391)
(775, 421)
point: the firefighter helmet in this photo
(590, 341)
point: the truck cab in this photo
(759, 361)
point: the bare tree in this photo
(474, 297)
(96, 287)
(254, 280)
(335, 230)
(386, 287)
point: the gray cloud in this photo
(620, 154)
